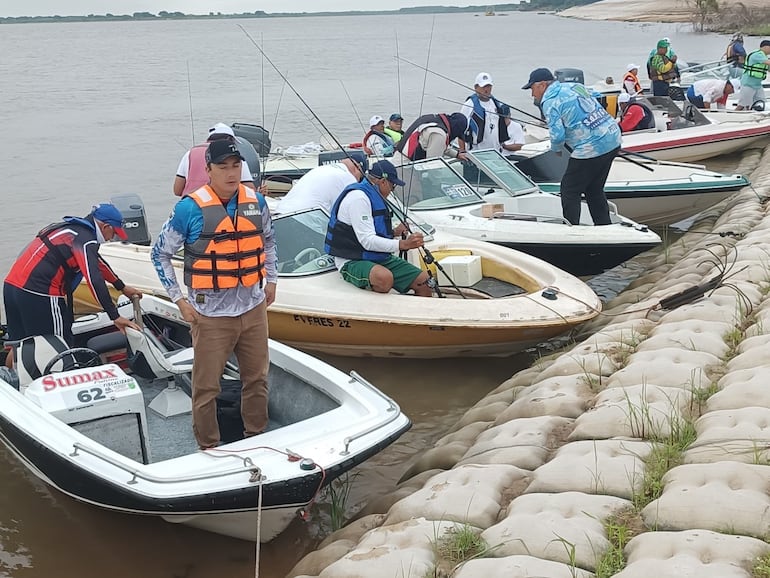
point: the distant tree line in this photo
(164, 15)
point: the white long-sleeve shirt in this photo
(356, 210)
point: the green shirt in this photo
(756, 58)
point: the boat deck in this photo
(291, 401)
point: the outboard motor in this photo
(569, 75)
(252, 158)
(134, 219)
(259, 137)
(328, 157)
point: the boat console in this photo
(103, 403)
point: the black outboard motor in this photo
(569, 75)
(259, 137)
(328, 157)
(134, 219)
(252, 158)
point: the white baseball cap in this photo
(221, 128)
(631, 66)
(483, 79)
(375, 120)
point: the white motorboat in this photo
(685, 134)
(87, 430)
(497, 301)
(508, 209)
(644, 189)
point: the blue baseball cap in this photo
(386, 170)
(108, 213)
(396, 116)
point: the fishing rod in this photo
(320, 122)
(398, 75)
(427, 62)
(294, 90)
(189, 98)
(540, 123)
(262, 79)
(524, 112)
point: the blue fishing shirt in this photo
(576, 119)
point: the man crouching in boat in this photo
(361, 237)
(230, 273)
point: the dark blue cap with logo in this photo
(219, 150)
(386, 170)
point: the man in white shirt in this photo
(321, 186)
(361, 237)
(703, 92)
(516, 136)
(484, 113)
(191, 173)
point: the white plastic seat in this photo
(160, 363)
(32, 354)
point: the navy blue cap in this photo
(385, 169)
(396, 116)
(538, 75)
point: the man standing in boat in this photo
(376, 141)
(361, 239)
(191, 173)
(754, 72)
(661, 67)
(577, 122)
(230, 274)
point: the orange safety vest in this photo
(226, 253)
(633, 78)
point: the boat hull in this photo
(323, 313)
(582, 259)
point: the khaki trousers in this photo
(214, 339)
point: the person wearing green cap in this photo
(661, 67)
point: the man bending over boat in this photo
(230, 274)
(38, 289)
(320, 186)
(361, 237)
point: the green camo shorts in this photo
(404, 273)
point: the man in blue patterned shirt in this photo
(578, 123)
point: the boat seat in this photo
(32, 354)
(148, 360)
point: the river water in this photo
(90, 110)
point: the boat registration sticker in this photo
(322, 321)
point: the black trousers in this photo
(587, 177)
(30, 314)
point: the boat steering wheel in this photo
(81, 357)
(306, 255)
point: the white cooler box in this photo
(464, 270)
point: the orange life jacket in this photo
(630, 76)
(226, 253)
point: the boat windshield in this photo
(300, 240)
(502, 172)
(432, 184)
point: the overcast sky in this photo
(83, 7)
